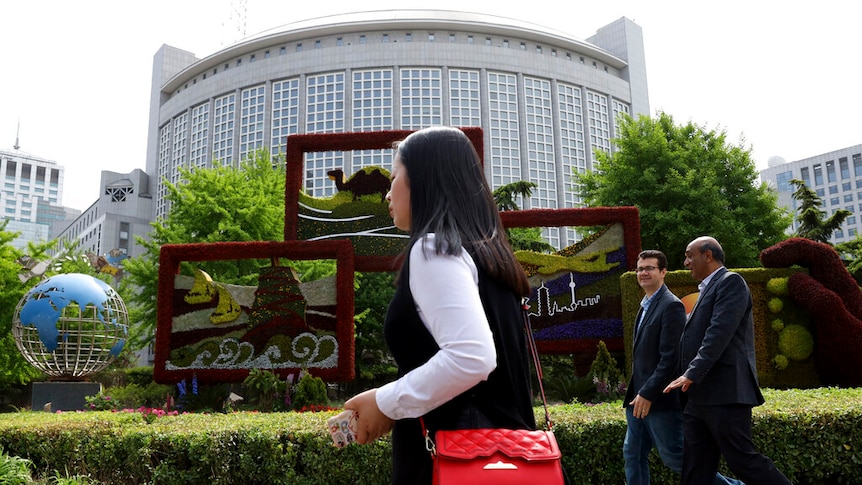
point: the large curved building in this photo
(545, 100)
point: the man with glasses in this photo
(654, 418)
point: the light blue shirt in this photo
(645, 303)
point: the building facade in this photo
(836, 177)
(122, 211)
(545, 100)
(32, 196)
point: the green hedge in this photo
(814, 436)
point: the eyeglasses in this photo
(645, 268)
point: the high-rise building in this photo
(546, 100)
(32, 196)
(835, 176)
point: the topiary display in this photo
(777, 286)
(796, 342)
(833, 298)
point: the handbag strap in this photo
(534, 354)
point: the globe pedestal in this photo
(63, 396)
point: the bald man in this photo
(719, 379)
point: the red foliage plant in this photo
(833, 299)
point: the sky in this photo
(780, 78)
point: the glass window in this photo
(451, 37)
(818, 175)
(845, 168)
(848, 198)
(820, 192)
(833, 201)
(362, 39)
(857, 164)
(846, 186)
(833, 189)
(830, 172)
(805, 176)
(782, 181)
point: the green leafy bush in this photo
(811, 435)
(310, 391)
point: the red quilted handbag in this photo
(496, 456)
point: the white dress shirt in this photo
(446, 292)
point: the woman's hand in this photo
(371, 422)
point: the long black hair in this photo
(450, 197)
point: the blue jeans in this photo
(662, 429)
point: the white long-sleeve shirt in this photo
(446, 292)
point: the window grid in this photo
(164, 170)
(199, 148)
(178, 147)
(253, 106)
(619, 110)
(572, 140)
(504, 129)
(285, 113)
(464, 102)
(223, 127)
(372, 111)
(324, 114)
(540, 150)
(597, 113)
(540, 142)
(421, 98)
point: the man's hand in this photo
(371, 422)
(681, 382)
(640, 406)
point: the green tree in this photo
(851, 252)
(15, 282)
(14, 369)
(222, 203)
(813, 223)
(521, 238)
(686, 182)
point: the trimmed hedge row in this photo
(814, 436)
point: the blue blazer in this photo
(655, 344)
(717, 344)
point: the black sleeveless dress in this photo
(502, 401)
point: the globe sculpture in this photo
(70, 326)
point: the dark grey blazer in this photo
(655, 345)
(717, 344)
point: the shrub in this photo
(310, 391)
(811, 435)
